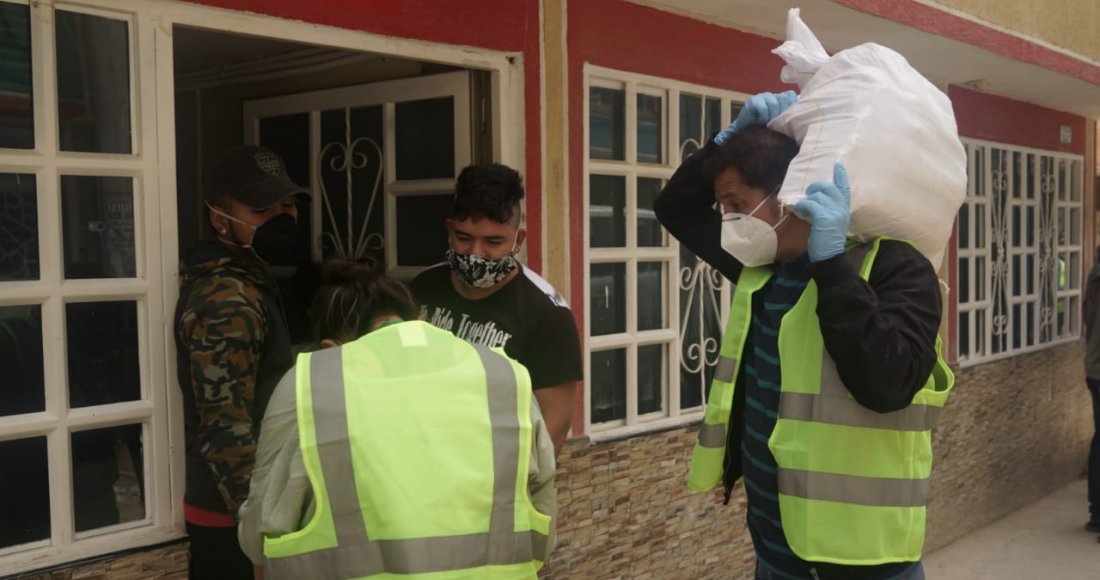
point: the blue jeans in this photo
(1094, 452)
(914, 573)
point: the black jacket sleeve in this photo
(685, 207)
(881, 333)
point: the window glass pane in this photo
(651, 377)
(606, 211)
(25, 503)
(1017, 228)
(607, 123)
(608, 384)
(1075, 176)
(964, 226)
(93, 83)
(608, 298)
(103, 352)
(21, 359)
(700, 327)
(1030, 259)
(714, 117)
(108, 479)
(424, 139)
(16, 98)
(650, 125)
(18, 227)
(1031, 334)
(1019, 174)
(979, 226)
(98, 220)
(964, 334)
(735, 109)
(964, 280)
(365, 132)
(1075, 226)
(650, 232)
(1017, 323)
(1017, 276)
(691, 125)
(651, 292)
(421, 239)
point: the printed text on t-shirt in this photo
(485, 333)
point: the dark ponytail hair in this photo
(354, 293)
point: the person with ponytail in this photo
(419, 452)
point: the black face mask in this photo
(274, 241)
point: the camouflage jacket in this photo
(232, 347)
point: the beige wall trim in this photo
(1067, 26)
(554, 146)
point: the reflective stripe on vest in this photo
(834, 406)
(356, 555)
(714, 436)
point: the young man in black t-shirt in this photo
(484, 295)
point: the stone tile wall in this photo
(164, 562)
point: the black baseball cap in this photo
(253, 175)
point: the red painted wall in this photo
(494, 24)
(500, 25)
(993, 118)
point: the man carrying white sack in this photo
(829, 378)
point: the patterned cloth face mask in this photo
(481, 272)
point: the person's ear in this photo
(521, 236)
(329, 343)
(219, 222)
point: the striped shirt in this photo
(761, 373)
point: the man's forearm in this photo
(557, 410)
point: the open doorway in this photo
(377, 139)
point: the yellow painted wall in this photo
(1073, 25)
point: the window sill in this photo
(600, 435)
(83, 552)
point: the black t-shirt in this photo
(527, 318)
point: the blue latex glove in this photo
(758, 110)
(827, 206)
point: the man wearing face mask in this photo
(829, 375)
(484, 295)
(232, 344)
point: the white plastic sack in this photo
(894, 131)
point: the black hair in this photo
(489, 190)
(352, 295)
(760, 156)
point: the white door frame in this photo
(509, 145)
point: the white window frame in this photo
(670, 415)
(52, 292)
(1069, 213)
(387, 93)
(155, 287)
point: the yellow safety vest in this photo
(853, 483)
(417, 446)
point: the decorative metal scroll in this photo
(351, 156)
(700, 304)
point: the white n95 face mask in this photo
(751, 240)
